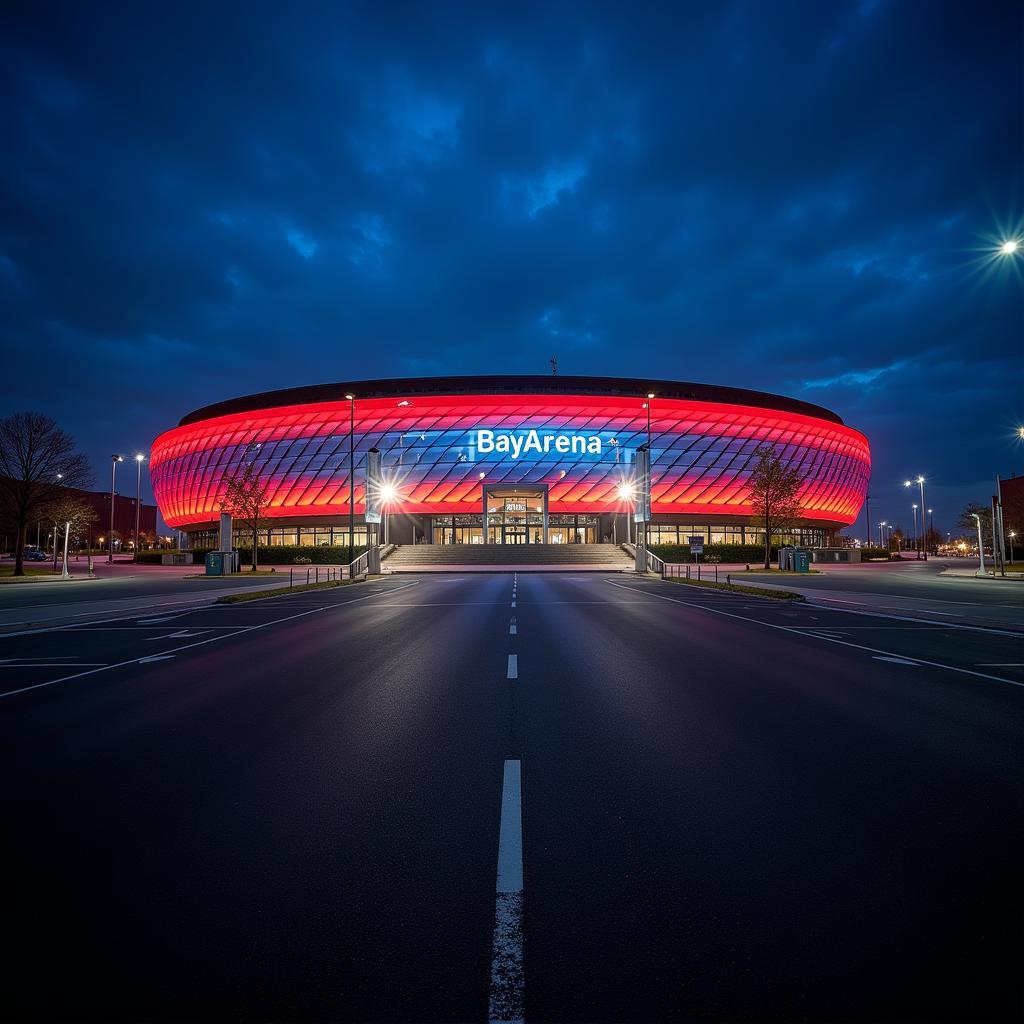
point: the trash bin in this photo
(801, 561)
(786, 559)
(215, 563)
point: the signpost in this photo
(696, 547)
(372, 506)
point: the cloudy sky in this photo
(201, 202)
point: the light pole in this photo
(917, 536)
(650, 454)
(114, 460)
(1012, 534)
(881, 533)
(981, 546)
(351, 477)
(139, 460)
(931, 531)
(920, 483)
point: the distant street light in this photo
(981, 546)
(881, 533)
(351, 399)
(917, 536)
(139, 460)
(931, 530)
(1012, 535)
(920, 483)
(114, 460)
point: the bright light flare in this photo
(1009, 247)
(388, 493)
(625, 492)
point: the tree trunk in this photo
(255, 538)
(19, 549)
(767, 544)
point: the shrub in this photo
(723, 553)
(302, 560)
(286, 554)
(866, 554)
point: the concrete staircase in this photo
(412, 557)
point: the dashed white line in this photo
(506, 1002)
(512, 629)
(513, 666)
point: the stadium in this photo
(507, 460)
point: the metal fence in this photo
(688, 571)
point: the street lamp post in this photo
(917, 536)
(114, 460)
(881, 533)
(650, 454)
(1012, 534)
(351, 477)
(981, 546)
(920, 483)
(931, 531)
(139, 459)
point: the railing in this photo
(654, 563)
(689, 571)
(316, 574)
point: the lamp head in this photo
(140, 457)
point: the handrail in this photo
(654, 563)
(359, 566)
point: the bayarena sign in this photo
(522, 459)
(532, 442)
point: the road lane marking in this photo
(513, 604)
(512, 629)
(895, 661)
(506, 1002)
(156, 622)
(199, 643)
(828, 639)
(152, 658)
(29, 663)
(1000, 664)
(513, 666)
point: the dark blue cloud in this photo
(202, 201)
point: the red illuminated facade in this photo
(458, 453)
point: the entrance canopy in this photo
(515, 515)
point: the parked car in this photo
(35, 555)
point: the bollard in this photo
(307, 577)
(728, 579)
(290, 571)
(716, 572)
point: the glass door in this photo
(513, 535)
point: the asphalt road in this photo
(915, 588)
(732, 809)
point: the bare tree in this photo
(68, 508)
(247, 498)
(774, 494)
(37, 459)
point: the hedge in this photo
(736, 553)
(285, 554)
(866, 554)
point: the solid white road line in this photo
(506, 1003)
(513, 666)
(895, 661)
(817, 636)
(163, 656)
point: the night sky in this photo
(203, 202)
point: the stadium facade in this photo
(507, 460)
